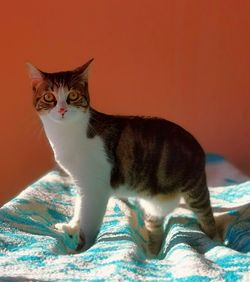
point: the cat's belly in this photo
(158, 205)
(125, 191)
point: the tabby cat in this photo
(151, 159)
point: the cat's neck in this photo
(66, 134)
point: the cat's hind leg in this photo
(154, 226)
(155, 209)
(198, 200)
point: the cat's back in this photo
(160, 131)
(144, 134)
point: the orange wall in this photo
(188, 61)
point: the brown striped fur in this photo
(156, 157)
(152, 156)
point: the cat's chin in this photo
(65, 119)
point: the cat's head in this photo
(60, 96)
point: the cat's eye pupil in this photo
(49, 97)
(73, 95)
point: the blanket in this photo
(32, 250)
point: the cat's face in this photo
(62, 96)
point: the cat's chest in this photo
(75, 151)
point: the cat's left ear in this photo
(82, 72)
(35, 75)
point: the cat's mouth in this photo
(61, 118)
(62, 112)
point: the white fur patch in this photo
(157, 208)
(86, 161)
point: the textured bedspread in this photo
(31, 250)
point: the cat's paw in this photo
(71, 228)
(73, 238)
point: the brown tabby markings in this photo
(52, 82)
(152, 156)
(155, 157)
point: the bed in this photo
(32, 250)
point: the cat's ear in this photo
(82, 72)
(36, 76)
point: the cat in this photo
(152, 159)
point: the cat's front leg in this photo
(94, 199)
(89, 211)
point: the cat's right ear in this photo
(82, 72)
(35, 75)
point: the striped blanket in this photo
(32, 250)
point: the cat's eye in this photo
(49, 97)
(73, 96)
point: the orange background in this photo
(188, 61)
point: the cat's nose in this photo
(62, 111)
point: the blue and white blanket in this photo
(31, 249)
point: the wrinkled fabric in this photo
(32, 250)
